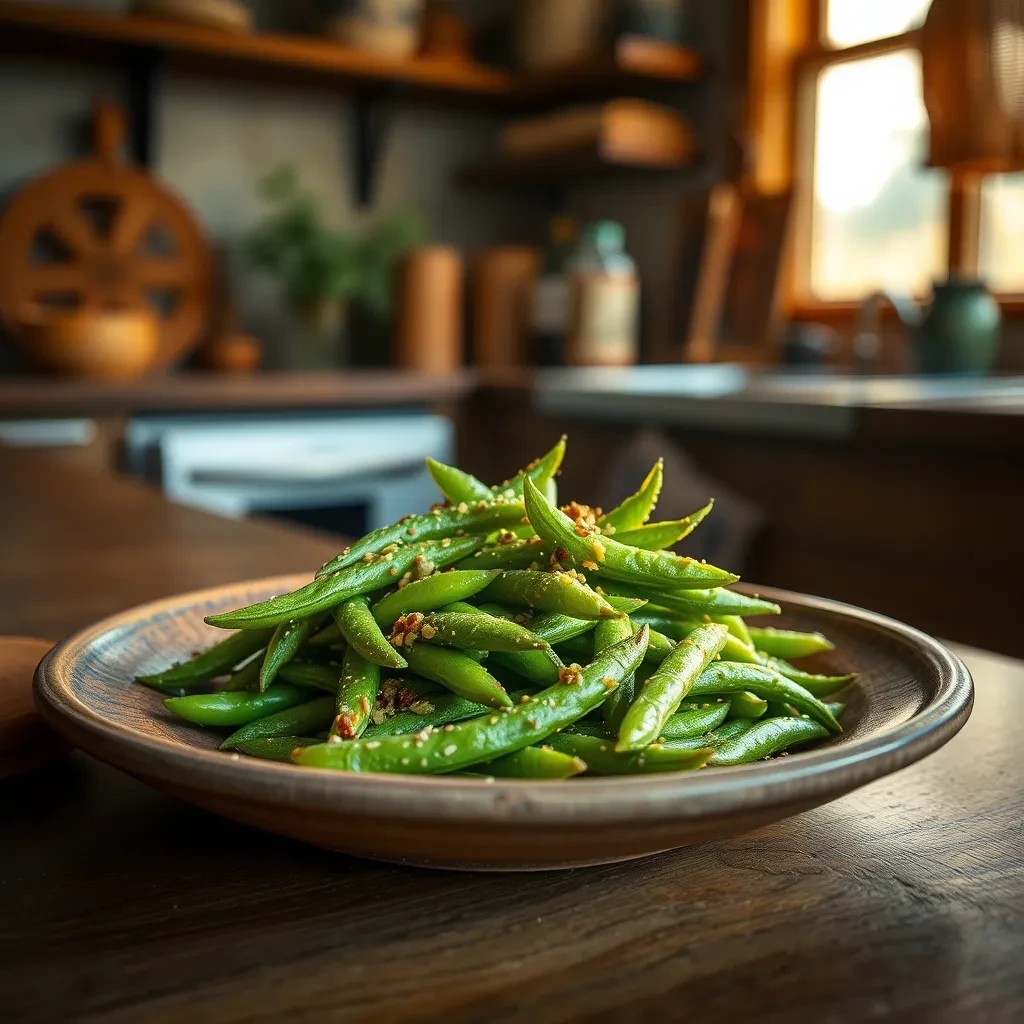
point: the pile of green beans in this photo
(500, 634)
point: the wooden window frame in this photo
(787, 54)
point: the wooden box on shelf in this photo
(626, 130)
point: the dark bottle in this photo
(551, 310)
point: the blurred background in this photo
(267, 256)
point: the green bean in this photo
(820, 686)
(549, 591)
(357, 625)
(542, 666)
(737, 627)
(607, 633)
(713, 739)
(245, 678)
(730, 678)
(436, 710)
(457, 485)
(767, 738)
(458, 673)
(680, 629)
(696, 603)
(539, 472)
(577, 648)
(326, 592)
(305, 718)
(520, 554)
(617, 561)
(431, 593)
(662, 693)
(658, 536)
(277, 748)
(235, 708)
(602, 758)
(533, 763)
(439, 524)
(305, 673)
(488, 736)
(220, 658)
(788, 643)
(327, 637)
(637, 508)
(746, 705)
(695, 722)
(485, 632)
(360, 682)
(283, 646)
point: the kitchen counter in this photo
(724, 398)
(121, 904)
(735, 399)
(54, 397)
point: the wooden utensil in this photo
(429, 323)
(502, 280)
(102, 344)
(101, 235)
(912, 695)
(25, 739)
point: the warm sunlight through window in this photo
(1002, 232)
(849, 22)
(878, 217)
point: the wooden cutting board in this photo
(100, 234)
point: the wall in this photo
(217, 138)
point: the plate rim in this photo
(667, 797)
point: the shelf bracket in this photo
(144, 69)
(372, 114)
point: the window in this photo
(847, 92)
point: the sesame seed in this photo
(373, 745)
(423, 762)
(449, 750)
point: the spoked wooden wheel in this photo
(99, 235)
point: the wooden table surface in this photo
(904, 899)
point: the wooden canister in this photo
(502, 282)
(429, 327)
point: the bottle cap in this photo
(606, 235)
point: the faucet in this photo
(867, 338)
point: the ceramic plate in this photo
(912, 695)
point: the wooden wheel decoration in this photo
(99, 235)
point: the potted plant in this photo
(325, 272)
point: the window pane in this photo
(1002, 232)
(879, 217)
(848, 22)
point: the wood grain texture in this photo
(214, 392)
(901, 900)
(911, 696)
(120, 904)
(78, 546)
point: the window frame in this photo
(788, 53)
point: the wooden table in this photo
(905, 899)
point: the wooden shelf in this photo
(37, 29)
(31, 397)
(30, 28)
(570, 165)
(636, 66)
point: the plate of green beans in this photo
(507, 680)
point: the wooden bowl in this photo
(102, 345)
(912, 696)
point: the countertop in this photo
(725, 398)
(903, 898)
